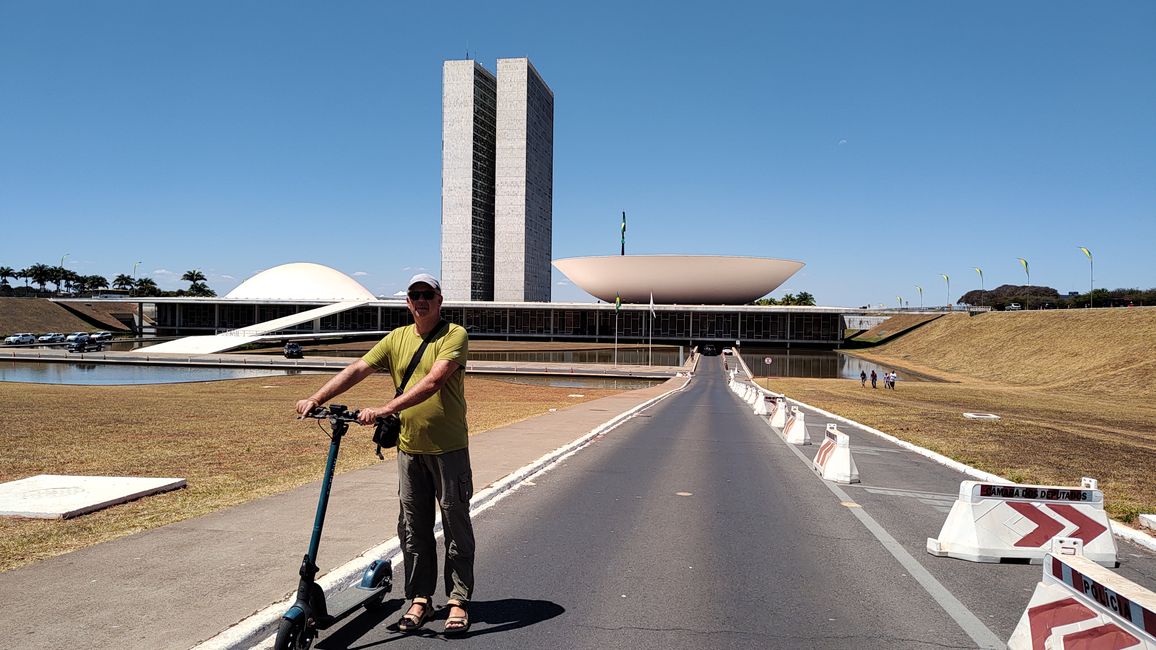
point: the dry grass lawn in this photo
(1074, 390)
(233, 441)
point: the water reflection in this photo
(576, 382)
(105, 374)
(664, 356)
(810, 364)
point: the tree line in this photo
(1036, 297)
(67, 281)
(802, 299)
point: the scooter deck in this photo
(348, 601)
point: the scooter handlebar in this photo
(333, 412)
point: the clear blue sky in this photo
(882, 143)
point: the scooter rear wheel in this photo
(292, 635)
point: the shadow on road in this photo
(486, 617)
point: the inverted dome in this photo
(678, 279)
(301, 281)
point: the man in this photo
(433, 460)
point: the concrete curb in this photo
(256, 631)
(1119, 529)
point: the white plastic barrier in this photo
(1079, 604)
(795, 430)
(761, 404)
(834, 461)
(990, 522)
(779, 413)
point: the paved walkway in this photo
(179, 585)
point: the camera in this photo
(387, 431)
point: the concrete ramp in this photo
(238, 337)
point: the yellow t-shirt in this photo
(437, 425)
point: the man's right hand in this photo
(306, 406)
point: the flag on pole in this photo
(652, 312)
(1086, 252)
(623, 232)
(1025, 265)
(617, 301)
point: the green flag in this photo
(623, 232)
(1086, 251)
(617, 301)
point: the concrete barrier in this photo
(795, 431)
(834, 461)
(779, 413)
(993, 522)
(1079, 604)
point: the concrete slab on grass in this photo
(1148, 521)
(52, 496)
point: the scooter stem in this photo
(339, 429)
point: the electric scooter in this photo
(299, 625)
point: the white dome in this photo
(301, 281)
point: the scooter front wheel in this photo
(293, 635)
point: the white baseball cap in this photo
(425, 278)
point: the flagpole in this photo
(650, 339)
(617, 306)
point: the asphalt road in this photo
(693, 525)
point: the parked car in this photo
(84, 343)
(73, 336)
(51, 337)
(20, 338)
(1015, 306)
(294, 351)
(100, 336)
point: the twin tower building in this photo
(497, 182)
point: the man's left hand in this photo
(369, 416)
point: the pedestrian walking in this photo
(863, 378)
(894, 376)
(874, 378)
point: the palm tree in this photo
(93, 282)
(193, 276)
(197, 286)
(147, 287)
(40, 274)
(5, 273)
(123, 281)
(71, 280)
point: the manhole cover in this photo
(981, 416)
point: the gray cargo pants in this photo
(447, 480)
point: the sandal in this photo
(457, 624)
(413, 622)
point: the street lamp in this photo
(134, 265)
(60, 278)
(948, 281)
(1091, 282)
(920, 296)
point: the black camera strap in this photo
(405, 380)
(418, 355)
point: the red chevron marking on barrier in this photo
(825, 451)
(1087, 528)
(1104, 637)
(1042, 618)
(1046, 527)
(790, 421)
